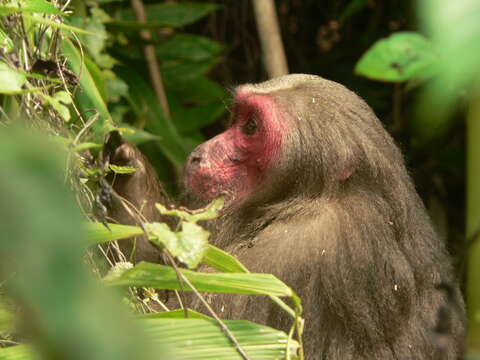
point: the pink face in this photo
(237, 160)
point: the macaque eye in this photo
(250, 127)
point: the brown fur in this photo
(139, 191)
(339, 220)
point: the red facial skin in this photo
(236, 161)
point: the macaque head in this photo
(236, 161)
(296, 134)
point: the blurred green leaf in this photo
(5, 42)
(89, 98)
(400, 57)
(20, 352)
(57, 25)
(352, 8)
(145, 102)
(122, 169)
(177, 314)
(165, 278)
(97, 76)
(173, 14)
(10, 79)
(208, 213)
(454, 29)
(98, 233)
(30, 6)
(69, 316)
(188, 47)
(190, 120)
(185, 72)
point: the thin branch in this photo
(270, 38)
(151, 57)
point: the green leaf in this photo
(187, 245)
(192, 244)
(20, 352)
(208, 213)
(54, 24)
(203, 339)
(122, 169)
(164, 277)
(454, 29)
(177, 314)
(5, 42)
(180, 75)
(86, 146)
(188, 47)
(69, 312)
(117, 270)
(222, 261)
(89, 98)
(30, 6)
(144, 100)
(55, 102)
(352, 8)
(97, 233)
(189, 120)
(400, 57)
(173, 14)
(199, 338)
(10, 79)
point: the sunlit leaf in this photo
(30, 6)
(400, 57)
(122, 169)
(208, 213)
(5, 42)
(164, 277)
(203, 339)
(10, 79)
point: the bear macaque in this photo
(317, 194)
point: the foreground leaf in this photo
(164, 277)
(10, 79)
(199, 338)
(203, 339)
(97, 233)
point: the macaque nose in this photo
(195, 157)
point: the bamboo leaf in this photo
(44, 21)
(220, 260)
(89, 98)
(199, 338)
(10, 79)
(203, 339)
(164, 277)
